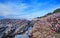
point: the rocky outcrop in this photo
(11, 27)
(46, 27)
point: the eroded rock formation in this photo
(11, 27)
(47, 27)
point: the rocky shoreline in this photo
(11, 27)
(47, 26)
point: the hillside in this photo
(55, 11)
(47, 26)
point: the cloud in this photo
(16, 10)
(12, 9)
(26, 8)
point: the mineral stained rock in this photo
(46, 27)
(11, 27)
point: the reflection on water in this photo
(24, 35)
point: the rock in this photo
(46, 27)
(11, 27)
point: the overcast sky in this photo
(27, 8)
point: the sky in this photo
(27, 9)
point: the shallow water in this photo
(22, 36)
(25, 35)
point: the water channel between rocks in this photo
(25, 35)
